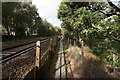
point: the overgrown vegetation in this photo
(21, 20)
(96, 23)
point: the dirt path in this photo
(61, 64)
(58, 66)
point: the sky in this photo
(47, 9)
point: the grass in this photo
(91, 66)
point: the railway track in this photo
(18, 60)
(15, 51)
(20, 45)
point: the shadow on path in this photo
(52, 70)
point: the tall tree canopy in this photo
(22, 19)
(96, 23)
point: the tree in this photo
(92, 23)
(21, 19)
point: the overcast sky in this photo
(47, 9)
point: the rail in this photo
(4, 49)
(18, 53)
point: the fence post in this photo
(74, 43)
(38, 55)
(82, 47)
(51, 43)
(82, 50)
(114, 65)
(37, 60)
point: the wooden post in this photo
(82, 51)
(38, 55)
(82, 48)
(51, 43)
(74, 43)
(37, 60)
(68, 40)
(114, 65)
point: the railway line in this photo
(14, 51)
(18, 60)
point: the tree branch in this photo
(110, 14)
(113, 5)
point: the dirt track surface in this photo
(18, 67)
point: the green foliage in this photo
(98, 31)
(21, 19)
